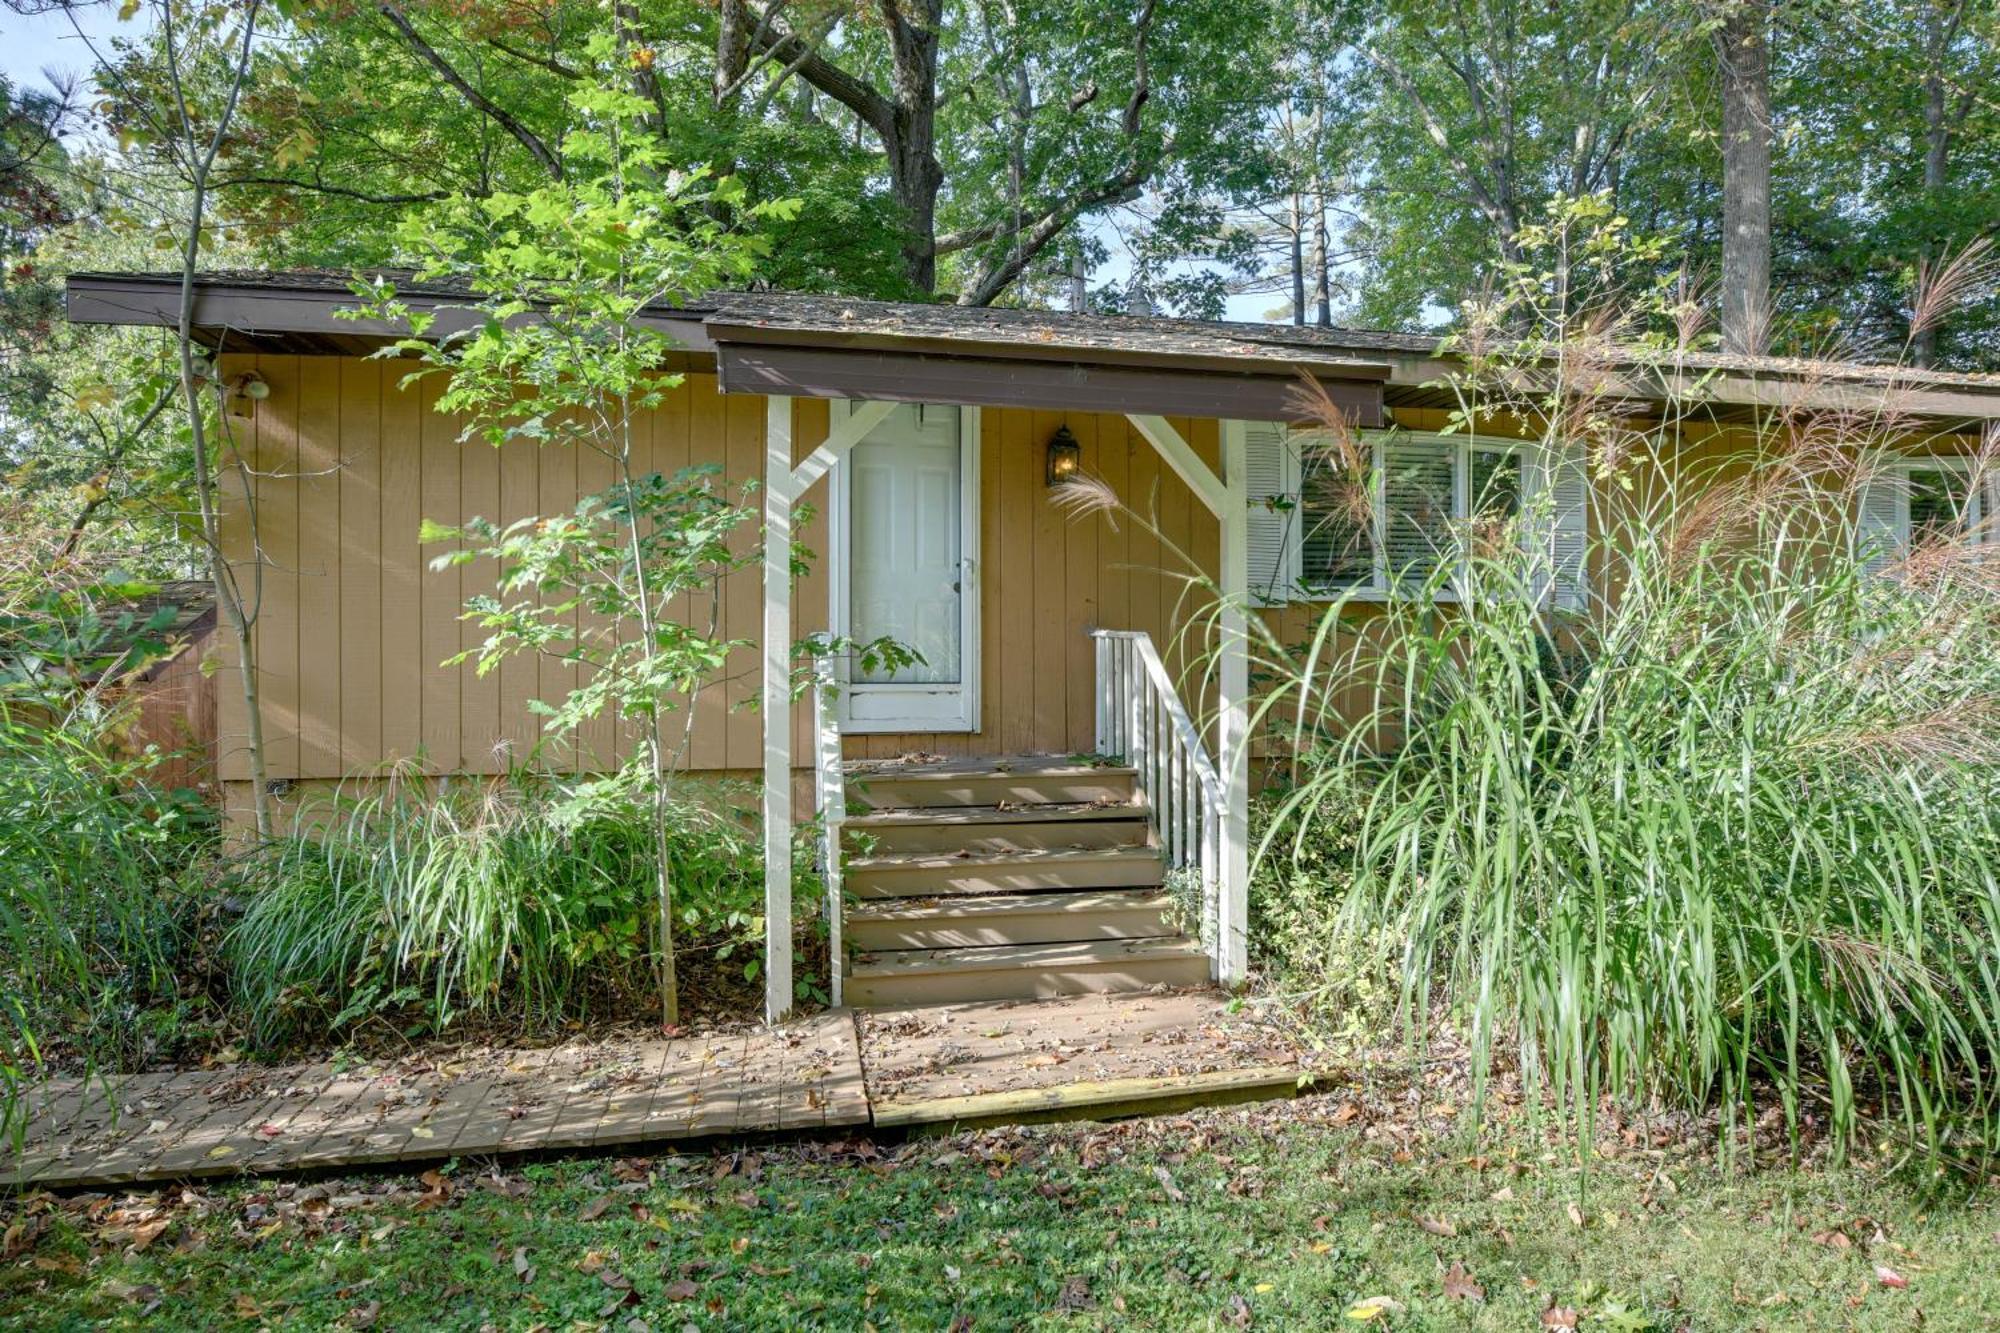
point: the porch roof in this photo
(800, 344)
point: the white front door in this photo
(905, 551)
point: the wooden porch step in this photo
(933, 874)
(993, 782)
(1008, 828)
(1026, 971)
(1008, 918)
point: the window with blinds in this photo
(1914, 501)
(1318, 531)
(1336, 528)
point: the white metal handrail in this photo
(1141, 720)
(830, 794)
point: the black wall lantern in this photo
(1065, 457)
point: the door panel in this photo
(906, 501)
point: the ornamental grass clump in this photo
(1725, 832)
(525, 900)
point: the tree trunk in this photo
(1322, 266)
(1937, 157)
(1298, 258)
(1937, 166)
(914, 173)
(732, 51)
(228, 594)
(1744, 59)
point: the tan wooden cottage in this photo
(1068, 763)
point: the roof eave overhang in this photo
(829, 363)
(252, 312)
(753, 359)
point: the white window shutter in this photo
(1271, 483)
(1989, 506)
(1559, 489)
(1878, 529)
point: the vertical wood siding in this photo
(354, 627)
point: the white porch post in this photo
(777, 704)
(1227, 498)
(1232, 959)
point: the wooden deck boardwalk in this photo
(834, 1072)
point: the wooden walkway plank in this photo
(317, 1132)
(483, 1132)
(47, 1110)
(813, 1060)
(403, 1109)
(760, 1093)
(1084, 1101)
(627, 1114)
(720, 1094)
(561, 1080)
(211, 1145)
(115, 1149)
(846, 1082)
(447, 1117)
(268, 1139)
(608, 1076)
(676, 1106)
(667, 1111)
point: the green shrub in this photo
(1739, 837)
(1728, 833)
(1344, 981)
(527, 899)
(96, 870)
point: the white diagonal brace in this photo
(1182, 458)
(844, 436)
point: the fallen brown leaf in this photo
(148, 1232)
(21, 1236)
(1889, 1277)
(1167, 1184)
(1459, 1286)
(1437, 1226)
(1559, 1316)
(593, 1210)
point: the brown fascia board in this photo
(251, 309)
(907, 376)
(1251, 363)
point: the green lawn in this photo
(1269, 1218)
